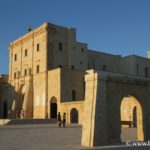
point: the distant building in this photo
(4, 96)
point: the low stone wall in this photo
(4, 121)
(68, 106)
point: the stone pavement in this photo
(39, 137)
(47, 137)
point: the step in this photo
(31, 121)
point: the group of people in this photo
(61, 121)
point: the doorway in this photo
(74, 115)
(131, 119)
(53, 108)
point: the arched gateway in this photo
(118, 104)
(131, 119)
(74, 115)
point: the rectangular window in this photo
(104, 68)
(73, 95)
(15, 75)
(146, 72)
(38, 47)
(37, 69)
(72, 67)
(15, 57)
(60, 46)
(60, 66)
(26, 52)
(137, 69)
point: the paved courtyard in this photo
(46, 137)
(37, 137)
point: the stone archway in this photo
(74, 115)
(131, 119)
(53, 107)
(103, 99)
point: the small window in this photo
(137, 69)
(72, 67)
(15, 58)
(104, 68)
(26, 52)
(146, 72)
(82, 49)
(73, 95)
(60, 46)
(38, 47)
(84, 86)
(37, 69)
(15, 75)
(25, 72)
(60, 66)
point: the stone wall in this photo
(72, 80)
(102, 119)
(67, 107)
(39, 95)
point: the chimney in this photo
(29, 29)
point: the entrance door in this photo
(74, 116)
(53, 108)
(5, 110)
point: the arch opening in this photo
(74, 115)
(131, 119)
(53, 108)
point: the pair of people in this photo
(61, 121)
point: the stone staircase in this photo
(31, 121)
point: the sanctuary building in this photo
(50, 72)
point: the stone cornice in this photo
(117, 78)
(29, 35)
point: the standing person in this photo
(59, 119)
(9, 115)
(17, 114)
(64, 119)
(22, 113)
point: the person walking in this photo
(22, 113)
(59, 119)
(64, 119)
(17, 114)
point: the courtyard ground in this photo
(46, 137)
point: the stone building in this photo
(50, 72)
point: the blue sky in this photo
(112, 26)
